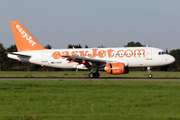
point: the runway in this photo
(94, 79)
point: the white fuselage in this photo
(130, 56)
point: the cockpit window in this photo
(162, 53)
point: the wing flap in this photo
(88, 62)
(78, 58)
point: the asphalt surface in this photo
(75, 78)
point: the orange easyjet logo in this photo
(101, 53)
(25, 35)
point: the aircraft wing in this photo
(88, 62)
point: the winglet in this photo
(24, 40)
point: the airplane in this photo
(115, 60)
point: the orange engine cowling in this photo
(116, 68)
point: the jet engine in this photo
(116, 68)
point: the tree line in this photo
(7, 64)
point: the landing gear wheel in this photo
(150, 75)
(96, 75)
(91, 75)
(149, 71)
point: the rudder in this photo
(24, 40)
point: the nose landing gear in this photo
(149, 71)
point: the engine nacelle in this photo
(116, 68)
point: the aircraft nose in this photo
(171, 59)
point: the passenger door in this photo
(148, 54)
(44, 56)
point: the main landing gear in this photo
(149, 71)
(94, 75)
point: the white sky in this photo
(94, 22)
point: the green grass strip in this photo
(138, 74)
(89, 100)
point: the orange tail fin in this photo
(24, 40)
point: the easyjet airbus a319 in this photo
(112, 60)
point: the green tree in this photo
(10, 63)
(176, 65)
(48, 46)
(167, 51)
(138, 44)
(12, 48)
(132, 44)
(101, 46)
(79, 46)
(70, 46)
(2, 56)
(86, 46)
(14, 64)
(74, 46)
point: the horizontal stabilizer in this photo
(19, 54)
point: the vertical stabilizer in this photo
(24, 40)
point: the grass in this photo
(137, 74)
(89, 100)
